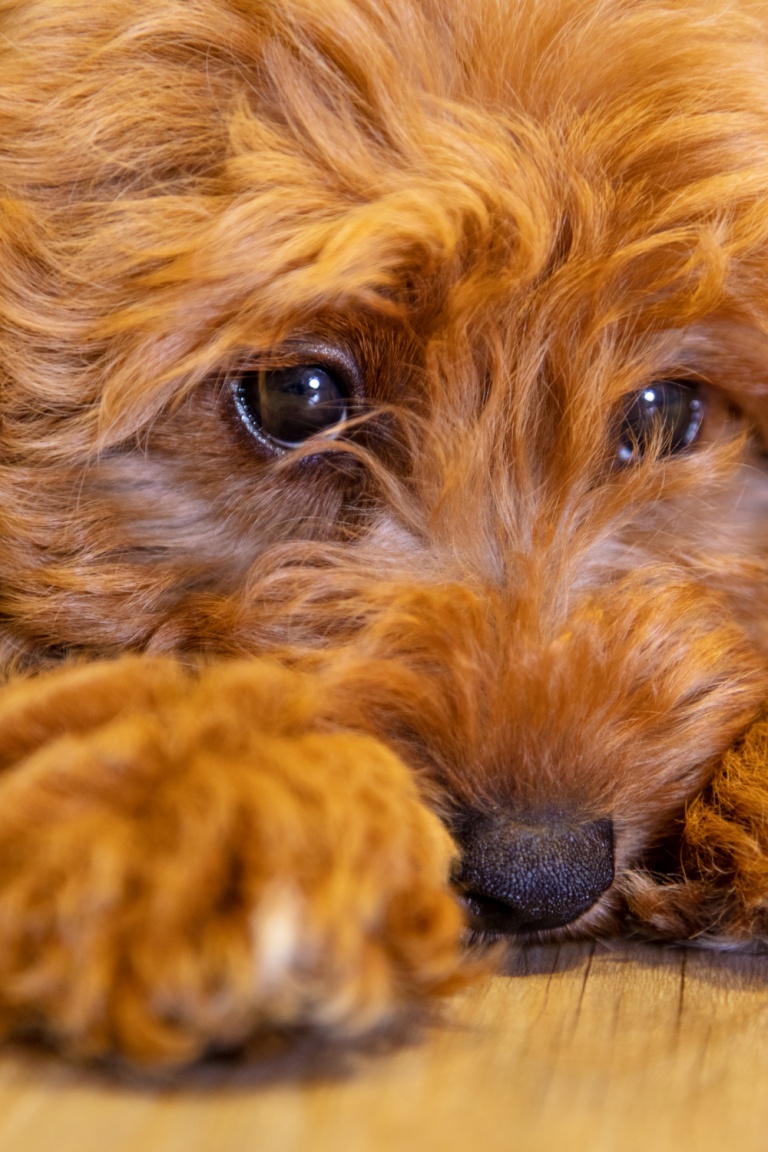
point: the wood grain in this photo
(580, 1047)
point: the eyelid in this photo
(336, 359)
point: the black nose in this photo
(528, 876)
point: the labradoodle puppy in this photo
(383, 499)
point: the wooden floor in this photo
(578, 1048)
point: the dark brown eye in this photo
(667, 412)
(288, 405)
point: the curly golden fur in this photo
(249, 691)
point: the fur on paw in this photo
(185, 859)
(721, 895)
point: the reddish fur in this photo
(511, 215)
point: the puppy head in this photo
(420, 344)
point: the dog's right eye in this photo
(286, 406)
(668, 413)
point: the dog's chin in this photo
(490, 922)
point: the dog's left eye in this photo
(288, 405)
(668, 413)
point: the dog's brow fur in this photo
(234, 673)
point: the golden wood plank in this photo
(579, 1047)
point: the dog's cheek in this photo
(148, 539)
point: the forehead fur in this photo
(227, 174)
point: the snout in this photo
(531, 875)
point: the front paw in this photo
(186, 860)
(719, 896)
(725, 842)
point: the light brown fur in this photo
(242, 689)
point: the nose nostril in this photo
(524, 877)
